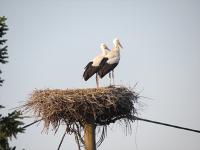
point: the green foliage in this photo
(3, 47)
(10, 126)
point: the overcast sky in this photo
(50, 42)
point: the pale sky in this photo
(50, 42)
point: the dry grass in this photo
(75, 107)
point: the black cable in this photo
(141, 119)
(61, 140)
(31, 124)
(166, 124)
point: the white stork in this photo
(111, 60)
(93, 66)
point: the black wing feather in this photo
(103, 61)
(90, 71)
(89, 64)
(106, 68)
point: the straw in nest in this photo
(75, 107)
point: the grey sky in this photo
(51, 41)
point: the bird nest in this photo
(76, 107)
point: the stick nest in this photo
(75, 107)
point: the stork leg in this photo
(97, 80)
(113, 77)
(110, 78)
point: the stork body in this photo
(93, 66)
(111, 60)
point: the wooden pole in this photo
(89, 137)
(89, 130)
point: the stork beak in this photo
(106, 47)
(120, 45)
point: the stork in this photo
(93, 66)
(111, 60)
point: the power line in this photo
(166, 124)
(140, 119)
(62, 140)
(28, 125)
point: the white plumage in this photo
(111, 60)
(93, 66)
(105, 50)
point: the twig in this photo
(77, 141)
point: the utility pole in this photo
(89, 137)
(89, 131)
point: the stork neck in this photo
(117, 48)
(103, 51)
(116, 51)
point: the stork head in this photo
(104, 46)
(117, 43)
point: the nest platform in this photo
(76, 107)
